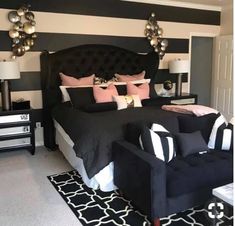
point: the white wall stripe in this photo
(97, 25)
(35, 97)
(29, 62)
(172, 56)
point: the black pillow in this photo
(121, 89)
(99, 107)
(81, 97)
(190, 143)
(189, 124)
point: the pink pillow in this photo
(71, 81)
(128, 78)
(104, 95)
(141, 90)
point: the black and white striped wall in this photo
(65, 23)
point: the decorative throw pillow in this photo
(189, 124)
(65, 94)
(127, 78)
(71, 81)
(141, 90)
(81, 96)
(221, 137)
(100, 107)
(100, 81)
(158, 141)
(127, 101)
(104, 95)
(191, 143)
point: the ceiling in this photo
(208, 2)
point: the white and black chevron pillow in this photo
(221, 137)
(158, 141)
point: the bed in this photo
(86, 138)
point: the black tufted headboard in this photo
(102, 60)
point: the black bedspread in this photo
(93, 133)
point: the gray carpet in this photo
(27, 198)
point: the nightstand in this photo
(185, 98)
(17, 130)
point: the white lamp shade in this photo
(178, 66)
(9, 70)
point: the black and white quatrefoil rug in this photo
(94, 207)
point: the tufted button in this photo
(83, 60)
(107, 60)
(100, 52)
(78, 54)
(117, 60)
(71, 61)
(111, 68)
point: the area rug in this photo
(94, 207)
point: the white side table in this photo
(225, 193)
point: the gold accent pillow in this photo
(127, 101)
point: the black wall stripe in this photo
(58, 41)
(163, 75)
(28, 81)
(121, 9)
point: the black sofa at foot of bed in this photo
(159, 189)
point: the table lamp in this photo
(8, 70)
(178, 67)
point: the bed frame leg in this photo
(157, 222)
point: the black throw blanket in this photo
(93, 133)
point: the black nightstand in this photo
(185, 98)
(17, 130)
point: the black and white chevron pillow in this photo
(158, 141)
(221, 137)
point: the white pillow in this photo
(221, 137)
(127, 101)
(162, 144)
(141, 81)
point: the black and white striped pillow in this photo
(221, 137)
(158, 141)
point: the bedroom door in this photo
(201, 68)
(222, 80)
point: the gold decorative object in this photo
(22, 33)
(28, 28)
(129, 101)
(154, 34)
